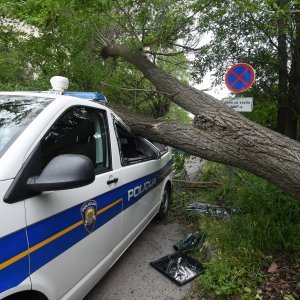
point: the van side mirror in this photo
(66, 171)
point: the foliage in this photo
(268, 225)
(68, 36)
(270, 219)
(178, 114)
(264, 34)
(264, 113)
(65, 38)
(221, 278)
(239, 30)
(179, 158)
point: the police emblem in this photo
(89, 214)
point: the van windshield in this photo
(16, 112)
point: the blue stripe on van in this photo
(13, 246)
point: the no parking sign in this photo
(239, 77)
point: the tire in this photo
(165, 203)
(26, 295)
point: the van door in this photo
(72, 231)
(139, 173)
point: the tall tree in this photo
(152, 32)
(69, 35)
(263, 33)
(218, 133)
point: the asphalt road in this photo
(132, 278)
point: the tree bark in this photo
(286, 117)
(294, 78)
(286, 121)
(218, 133)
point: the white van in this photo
(76, 189)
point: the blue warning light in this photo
(87, 95)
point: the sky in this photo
(218, 92)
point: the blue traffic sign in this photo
(239, 77)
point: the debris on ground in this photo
(190, 242)
(282, 280)
(214, 211)
(178, 267)
(208, 252)
(273, 268)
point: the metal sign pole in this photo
(238, 79)
(230, 178)
(231, 171)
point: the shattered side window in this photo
(162, 148)
(133, 149)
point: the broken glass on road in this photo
(190, 242)
(178, 267)
(214, 211)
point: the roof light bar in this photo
(60, 84)
(86, 95)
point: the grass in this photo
(268, 226)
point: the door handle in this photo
(114, 180)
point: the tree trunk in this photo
(294, 78)
(218, 133)
(286, 121)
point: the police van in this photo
(76, 188)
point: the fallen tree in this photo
(218, 133)
(187, 185)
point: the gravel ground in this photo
(132, 277)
